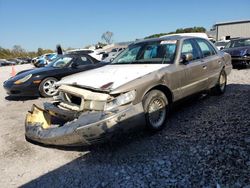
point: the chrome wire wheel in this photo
(157, 112)
(49, 87)
(222, 81)
(221, 84)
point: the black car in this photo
(41, 81)
(239, 49)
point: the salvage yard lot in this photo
(207, 142)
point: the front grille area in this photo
(73, 99)
(15, 92)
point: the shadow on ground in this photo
(19, 98)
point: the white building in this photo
(227, 30)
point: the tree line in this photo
(17, 51)
(107, 37)
(180, 30)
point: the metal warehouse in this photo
(227, 30)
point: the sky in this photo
(77, 23)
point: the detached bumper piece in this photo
(54, 126)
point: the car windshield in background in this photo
(60, 62)
(238, 43)
(50, 56)
(148, 53)
(221, 43)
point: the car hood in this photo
(239, 51)
(110, 77)
(34, 71)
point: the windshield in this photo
(158, 52)
(60, 62)
(238, 43)
(50, 56)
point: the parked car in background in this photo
(44, 60)
(97, 54)
(136, 89)
(4, 62)
(41, 81)
(239, 49)
(108, 57)
(24, 60)
(221, 44)
(15, 60)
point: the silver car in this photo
(137, 89)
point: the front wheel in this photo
(156, 109)
(221, 84)
(48, 87)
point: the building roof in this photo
(232, 22)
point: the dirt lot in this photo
(206, 144)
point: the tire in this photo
(156, 109)
(221, 84)
(47, 87)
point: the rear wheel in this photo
(221, 84)
(48, 87)
(156, 109)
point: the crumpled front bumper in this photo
(89, 128)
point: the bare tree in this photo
(18, 49)
(107, 36)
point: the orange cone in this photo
(13, 71)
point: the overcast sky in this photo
(75, 23)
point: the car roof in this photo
(240, 38)
(79, 52)
(173, 37)
(74, 54)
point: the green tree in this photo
(180, 30)
(39, 51)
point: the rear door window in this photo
(205, 47)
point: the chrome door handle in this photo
(219, 62)
(204, 66)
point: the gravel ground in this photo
(206, 144)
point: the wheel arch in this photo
(165, 90)
(40, 84)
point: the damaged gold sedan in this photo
(136, 89)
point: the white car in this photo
(111, 55)
(221, 44)
(97, 54)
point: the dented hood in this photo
(113, 76)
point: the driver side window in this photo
(83, 60)
(189, 48)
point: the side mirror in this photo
(221, 48)
(74, 65)
(186, 58)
